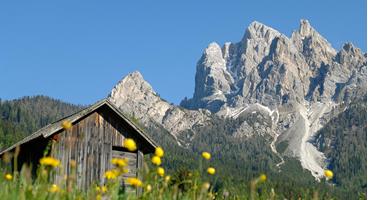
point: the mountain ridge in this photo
(300, 80)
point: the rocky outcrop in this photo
(212, 78)
(135, 97)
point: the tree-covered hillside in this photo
(20, 117)
(344, 142)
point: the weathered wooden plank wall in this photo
(90, 143)
(140, 160)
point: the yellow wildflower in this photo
(119, 162)
(148, 188)
(134, 182)
(159, 152)
(98, 197)
(160, 171)
(8, 177)
(50, 161)
(167, 178)
(329, 174)
(66, 125)
(124, 171)
(206, 155)
(263, 177)
(206, 185)
(211, 195)
(156, 160)
(130, 144)
(54, 188)
(211, 170)
(103, 189)
(111, 174)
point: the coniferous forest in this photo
(237, 161)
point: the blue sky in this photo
(77, 51)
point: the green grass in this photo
(182, 184)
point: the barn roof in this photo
(52, 128)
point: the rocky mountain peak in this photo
(350, 48)
(313, 45)
(137, 77)
(257, 30)
(212, 48)
(212, 79)
(305, 29)
(212, 56)
(351, 55)
(136, 98)
(131, 85)
(133, 76)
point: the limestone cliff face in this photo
(212, 78)
(135, 97)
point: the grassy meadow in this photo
(152, 183)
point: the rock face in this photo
(212, 78)
(270, 68)
(135, 97)
(287, 88)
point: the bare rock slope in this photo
(135, 97)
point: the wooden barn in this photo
(94, 139)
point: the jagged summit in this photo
(259, 30)
(312, 44)
(264, 60)
(135, 75)
(131, 85)
(213, 46)
(213, 56)
(305, 29)
(349, 47)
